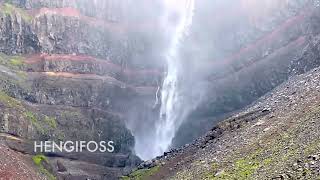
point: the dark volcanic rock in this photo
(61, 167)
(16, 36)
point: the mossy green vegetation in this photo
(51, 121)
(242, 169)
(272, 154)
(16, 61)
(141, 174)
(13, 103)
(46, 126)
(34, 121)
(10, 9)
(60, 136)
(9, 101)
(15, 65)
(38, 160)
(245, 168)
(71, 114)
(7, 8)
(12, 62)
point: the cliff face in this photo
(16, 35)
(246, 58)
(70, 71)
(82, 27)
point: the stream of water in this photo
(173, 110)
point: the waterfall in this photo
(173, 110)
(175, 94)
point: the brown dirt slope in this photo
(17, 166)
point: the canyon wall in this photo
(249, 52)
(92, 69)
(74, 70)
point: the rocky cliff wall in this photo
(68, 74)
(269, 53)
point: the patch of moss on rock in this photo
(60, 136)
(51, 121)
(141, 174)
(16, 61)
(9, 101)
(34, 121)
(10, 9)
(38, 161)
(243, 169)
(12, 62)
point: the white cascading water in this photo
(173, 111)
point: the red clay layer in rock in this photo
(283, 28)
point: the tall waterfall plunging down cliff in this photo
(176, 97)
(173, 110)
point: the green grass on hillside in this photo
(38, 160)
(141, 174)
(9, 101)
(51, 121)
(12, 62)
(10, 9)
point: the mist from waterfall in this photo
(173, 110)
(176, 96)
(198, 40)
